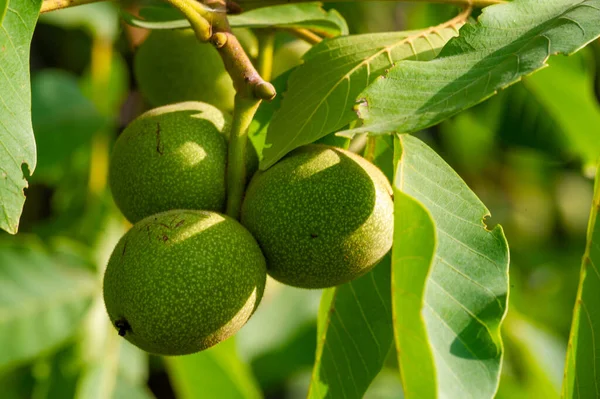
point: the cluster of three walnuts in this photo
(185, 276)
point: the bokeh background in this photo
(521, 151)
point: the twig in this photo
(213, 26)
(196, 15)
(306, 35)
(52, 5)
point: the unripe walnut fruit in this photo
(323, 216)
(172, 157)
(182, 281)
(173, 66)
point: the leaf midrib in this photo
(367, 62)
(492, 66)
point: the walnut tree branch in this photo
(211, 25)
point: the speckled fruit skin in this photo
(183, 281)
(323, 216)
(173, 66)
(172, 157)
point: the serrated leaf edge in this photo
(455, 23)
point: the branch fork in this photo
(209, 21)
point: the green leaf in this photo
(383, 155)
(99, 19)
(56, 375)
(260, 123)
(321, 92)
(306, 16)
(507, 42)
(214, 373)
(467, 287)
(156, 15)
(17, 383)
(100, 380)
(110, 366)
(109, 93)
(582, 370)
(553, 111)
(386, 385)
(469, 137)
(277, 354)
(126, 390)
(17, 144)
(521, 122)
(354, 335)
(533, 352)
(63, 120)
(3, 9)
(289, 307)
(42, 301)
(295, 357)
(133, 363)
(566, 93)
(414, 248)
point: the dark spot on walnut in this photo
(159, 145)
(123, 326)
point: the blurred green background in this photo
(522, 152)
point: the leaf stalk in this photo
(306, 35)
(266, 43)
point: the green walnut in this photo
(182, 281)
(173, 66)
(172, 157)
(323, 216)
